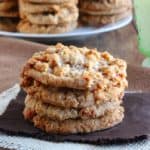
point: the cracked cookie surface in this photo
(78, 68)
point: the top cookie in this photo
(73, 67)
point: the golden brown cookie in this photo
(45, 14)
(99, 20)
(60, 114)
(70, 98)
(8, 24)
(74, 67)
(27, 27)
(106, 12)
(29, 7)
(103, 5)
(110, 119)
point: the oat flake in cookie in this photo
(73, 90)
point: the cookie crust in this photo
(9, 14)
(29, 7)
(7, 5)
(106, 12)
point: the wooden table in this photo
(122, 43)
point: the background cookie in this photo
(7, 5)
(54, 16)
(9, 14)
(26, 27)
(103, 19)
(98, 13)
(103, 5)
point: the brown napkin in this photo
(135, 126)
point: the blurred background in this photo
(113, 26)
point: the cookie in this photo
(70, 98)
(29, 7)
(110, 119)
(7, 5)
(103, 5)
(95, 20)
(51, 14)
(27, 27)
(8, 24)
(54, 113)
(74, 67)
(60, 114)
(13, 13)
(106, 12)
(50, 1)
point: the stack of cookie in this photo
(8, 15)
(48, 16)
(73, 90)
(101, 12)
